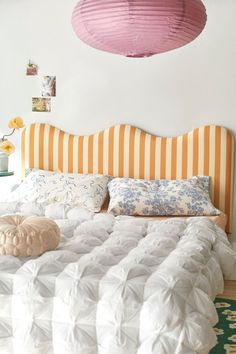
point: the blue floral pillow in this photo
(160, 197)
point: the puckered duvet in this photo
(115, 286)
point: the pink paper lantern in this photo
(138, 28)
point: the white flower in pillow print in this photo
(230, 348)
(229, 312)
(231, 318)
(219, 331)
(219, 305)
(232, 338)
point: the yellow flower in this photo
(16, 123)
(232, 325)
(7, 147)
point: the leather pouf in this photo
(27, 236)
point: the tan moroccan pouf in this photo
(27, 236)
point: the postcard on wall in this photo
(32, 69)
(49, 86)
(40, 104)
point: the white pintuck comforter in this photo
(115, 286)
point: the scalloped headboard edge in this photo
(124, 150)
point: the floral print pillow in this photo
(79, 190)
(160, 197)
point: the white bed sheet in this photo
(115, 286)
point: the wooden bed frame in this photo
(124, 150)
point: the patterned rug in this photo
(226, 327)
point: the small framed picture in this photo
(40, 104)
(49, 86)
(32, 69)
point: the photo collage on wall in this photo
(43, 103)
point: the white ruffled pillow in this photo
(160, 197)
(78, 190)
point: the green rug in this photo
(226, 327)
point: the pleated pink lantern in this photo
(138, 28)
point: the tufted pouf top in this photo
(22, 236)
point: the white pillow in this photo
(78, 190)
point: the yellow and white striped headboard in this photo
(127, 151)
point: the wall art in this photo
(49, 86)
(32, 69)
(40, 104)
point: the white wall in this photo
(167, 94)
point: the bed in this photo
(121, 284)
